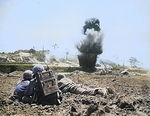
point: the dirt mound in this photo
(132, 97)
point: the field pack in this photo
(46, 89)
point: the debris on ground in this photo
(132, 97)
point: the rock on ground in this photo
(132, 98)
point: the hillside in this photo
(22, 56)
(131, 86)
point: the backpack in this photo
(45, 89)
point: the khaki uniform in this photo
(67, 85)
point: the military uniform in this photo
(21, 88)
(67, 85)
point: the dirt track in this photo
(132, 98)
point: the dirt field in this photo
(132, 98)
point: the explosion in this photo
(92, 43)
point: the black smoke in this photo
(91, 44)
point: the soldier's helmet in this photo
(38, 68)
(27, 75)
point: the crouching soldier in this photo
(21, 87)
(43, 88)
(24, 91)
(30, 89)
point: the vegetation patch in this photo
(116, 67)
(64, 69)
(9, 67)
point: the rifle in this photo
(45, 62)
(47, 66)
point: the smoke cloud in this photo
(92, 43)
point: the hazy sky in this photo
(38, 23)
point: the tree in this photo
(32, 51)
(133, 61)
(92, 23)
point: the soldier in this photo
(67, 85)
(29, 93)
(21, 87)
(25, 88)
(38, 68)
(24, 91)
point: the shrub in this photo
(7, 68)
(40, 55)
(33, 51)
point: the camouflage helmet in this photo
(27, 75)
(38, 68)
